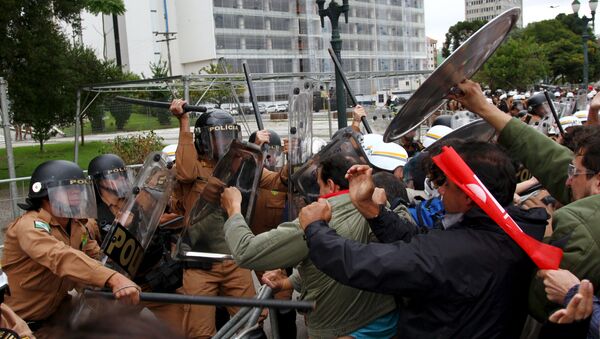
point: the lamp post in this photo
(333, 12)
(575, 5)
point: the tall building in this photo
(489, 9)
(432, 53)
(275, 36)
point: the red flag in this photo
(543, 255)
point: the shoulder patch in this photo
(41, 225)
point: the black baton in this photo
(160, 104)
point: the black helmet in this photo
(274, 139)
(211, 141)
(109, 173)
(445, 120)
(69, 191)
(535, 101)
(51, 172)
(105, 162)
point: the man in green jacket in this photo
(572, 178)
(341, 310)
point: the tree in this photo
(220, 92)
(458, 34)
(160, 70)
(105, 7)
(43, 70)
(518, 63)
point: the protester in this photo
(342, 310)
(467, 280)
(572, 178)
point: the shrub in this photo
(134, 149)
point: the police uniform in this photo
(222, 278)
(43, 262)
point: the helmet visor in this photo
(273, 159)
(217, 139)
(115, 182)
(72, 198)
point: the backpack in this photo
(428, 213)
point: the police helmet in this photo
(435, 133)
(213, 133)
(108, 171)
(69, 191)
(274, 139)
(534, 101)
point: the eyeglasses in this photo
(573, 172)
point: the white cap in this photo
(503, 96)
(512, 93)
(570, 95)
(169, 151)
(556, 94)
(435, 133)
(570, 121)
(384, 155)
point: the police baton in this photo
(169, 298)
(338, 68)
(160, 104)
(259, 122)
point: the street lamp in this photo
(575, 5)
(333, 12)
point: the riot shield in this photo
(134, 225)
(203, 237)
(300, 123)
(305, 179)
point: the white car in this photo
(271, 109)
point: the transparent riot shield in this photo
(300, 123)
(135, 224)
(305, 179)
(203, 238)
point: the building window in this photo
(280, 5)
(282, 65)
(254, 22)
(281, 43)
(225, 3)
(253, 4)
(256, 43)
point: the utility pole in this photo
(333, 12)
(168, 37)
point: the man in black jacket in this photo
(468, 280)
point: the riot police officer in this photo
(43, 249)
(112, 186)
(196, 157)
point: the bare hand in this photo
(358, 113)
(360, 178)
(125, 290)
(176, 108)
(379, 196)
(557, 283)
(277, 280)
(212, 191)
(231, 200)
(579, 308)
(470, 96)
(262, 137)
(320, 210)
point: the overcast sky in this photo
(441, 14)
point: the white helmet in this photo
(570, 95)
(384, 155)
(581, 115)
(169, 151)
(591, 94)
(435, 133)
(570, 121)
(556, 94)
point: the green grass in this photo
(136, 122)
(29, 157)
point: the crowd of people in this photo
(391, 248)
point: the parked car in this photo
(281, 108)
(271, 108)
